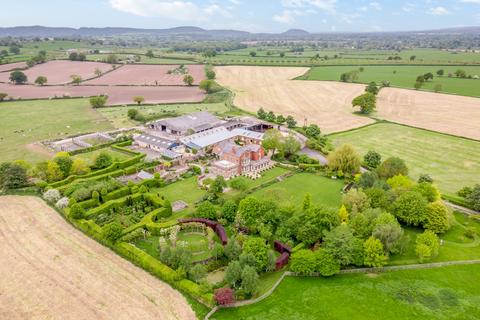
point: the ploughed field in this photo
(328, 103)
(60, 71)
(12, 66)
(149, 75)
(51, 271)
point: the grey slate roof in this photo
(197, 121)
(156, 141)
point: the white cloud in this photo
(408, 7)
(375, 5)
(176, 10)
(325, 5)
(471, 1)
(287, 17)
(438, 11)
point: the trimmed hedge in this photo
(161, 271)
(459, 201)
(119, 193)
(93, 148)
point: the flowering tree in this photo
(224, 296)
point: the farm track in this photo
(51, 270)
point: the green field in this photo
(442, 293)
(292, 190)
(452, 162)
(117, 116)
(25, 122)
(89, 157)
(405, 76)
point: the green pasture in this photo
(26, 122)
(293, 189)
(452, 162)
(89, 157)
(405, 77)
(440, 293)
(117, 116)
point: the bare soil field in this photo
(148, 75)
(52, 271)
(59, 71)
(116, 95)
(12, 66)
(445, 113)
(327, 104)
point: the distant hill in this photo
(196, 32)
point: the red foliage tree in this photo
(224, 296)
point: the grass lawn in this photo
(186, 190)
(442, 293)
(25, 122)
(452, 162)
(266, 176)
(456, 246)
(323, 190)
(405, 76)
(117, 116)
(90, 157)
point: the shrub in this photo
(76, 211)
(224, 296)
(239, 183)
(427, 246)
(374, 255)
(344, 159)
(303, 262)
(326, 264)
(103, 160)
(52, 195)
(410, 208)
(206, 210)
(437, 217)
(391, 167)
(62, 203)
(112, 231)
(98, 102)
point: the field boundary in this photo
(346, 271)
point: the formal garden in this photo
(232, 240)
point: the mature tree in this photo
(427, 246)
(307, 202)
(344, 246)
(112, 231)
(440, 72)
(12, 176)
(428, 76)
(303, 262)
(400, 183)
(344, 159)
(291, 122)
(3, 95)
(261, 114)
(253, 53)
(211, 75)
(412, 58)
(14, 49)
(247, 259)
(111, 58)
(41, 80)
(259, 249)
(460, 73)
(229, 210)
(389, 233)
(272, 140)
(98, 72)
(373, 253)
(343, 214)
(355, 200)
(372, 159)
(270, 117)
(249, 280)
(289, 146)
(410, 208)
(425, 178)
(98, 101)
(437, 217)
(206, 85)
(391, 167)
(188, 79)
(206, 210)
(132, 113)
(149, 53)
(367, 180)
(239, 183)
(18, 77)
(280, 119)
(316, 222)
(417, 85)
(139, 100)
(224, 296)
(428, 190)
(103, 160)
(372, 88)
(249, 210)
(218, 185)
(54, 173)
(366, 102)
(473, 197)
(64, 162)
(233, 274)
(76, 79)
(233, 249)
(326, 264)
(312, 131)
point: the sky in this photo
(248, 15)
